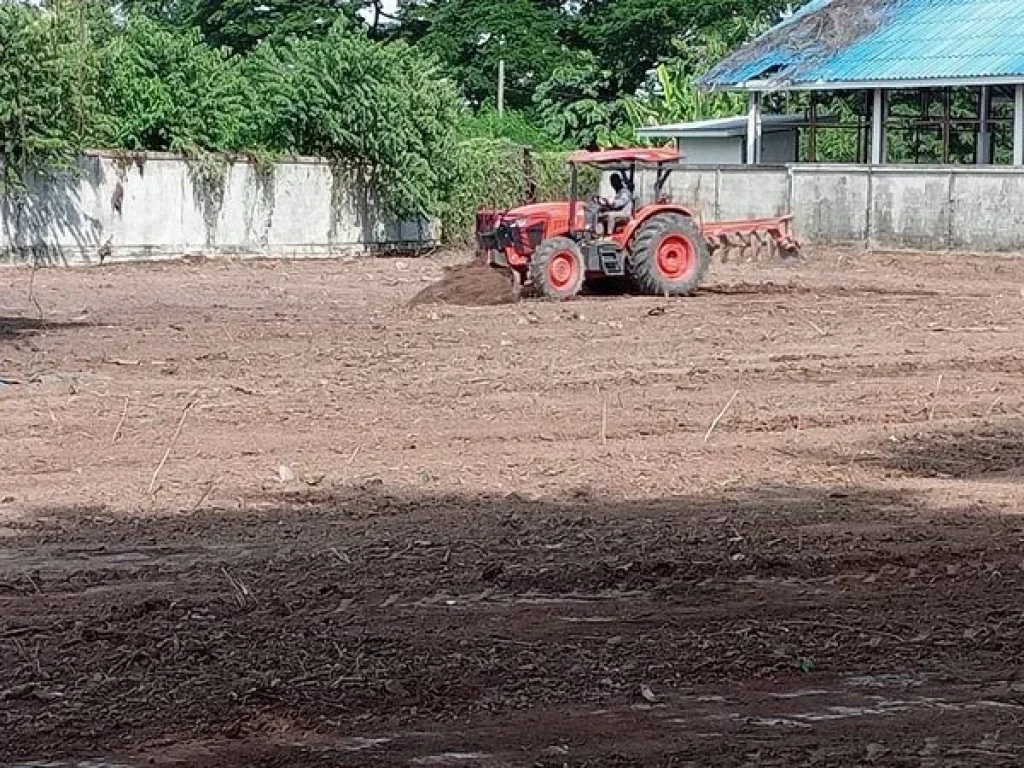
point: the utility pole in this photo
(501, 87)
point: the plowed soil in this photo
(472, 284)
(270, 514)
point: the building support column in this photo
(878, 127)
(984, 152)
(1018, 125)
(754, 130)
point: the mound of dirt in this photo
(469, 285)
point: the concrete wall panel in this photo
(910, 208)
(745, 193)
(302, 208)
(164, 207)
(830, 206)
(988, 211)
(696, 189)
(159, 216)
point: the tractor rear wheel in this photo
(557, 269)
(669, 256)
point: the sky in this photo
(387, 6)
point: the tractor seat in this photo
(616, 221)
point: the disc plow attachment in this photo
(752, 239)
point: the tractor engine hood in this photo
(534, 210)
(554, 217)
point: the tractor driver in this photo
(619, 206)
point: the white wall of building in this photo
(777, 148)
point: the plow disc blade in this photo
(752, 240)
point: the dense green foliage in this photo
(241, 25)
(515, 126)
(576, 66)
(380, 109)
(407, 102)
(47, 88)
(573, 106)
(471, 37)
(673, 96)
(163, 89)
(630, 37)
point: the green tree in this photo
(515, 126)
(671, 94)
(163, 89)
(178, 13)
(576, 105)
(630, 37)
(378, 110)
(241, 25)
(470, 37)
(47, 103)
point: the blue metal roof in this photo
(893, 40)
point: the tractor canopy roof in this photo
(625, 157)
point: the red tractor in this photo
(657, 244)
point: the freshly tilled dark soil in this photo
(265, 514)
(470, 285)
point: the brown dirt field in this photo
(268, 514)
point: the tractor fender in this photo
(646, 213)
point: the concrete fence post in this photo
(869, 214)
(718, 194)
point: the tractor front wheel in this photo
(557, 269)
(669, 257)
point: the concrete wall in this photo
(883, 207)
(834, 203)
(752, 192)
(165, 207)
(161, 206)
(987, 211)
